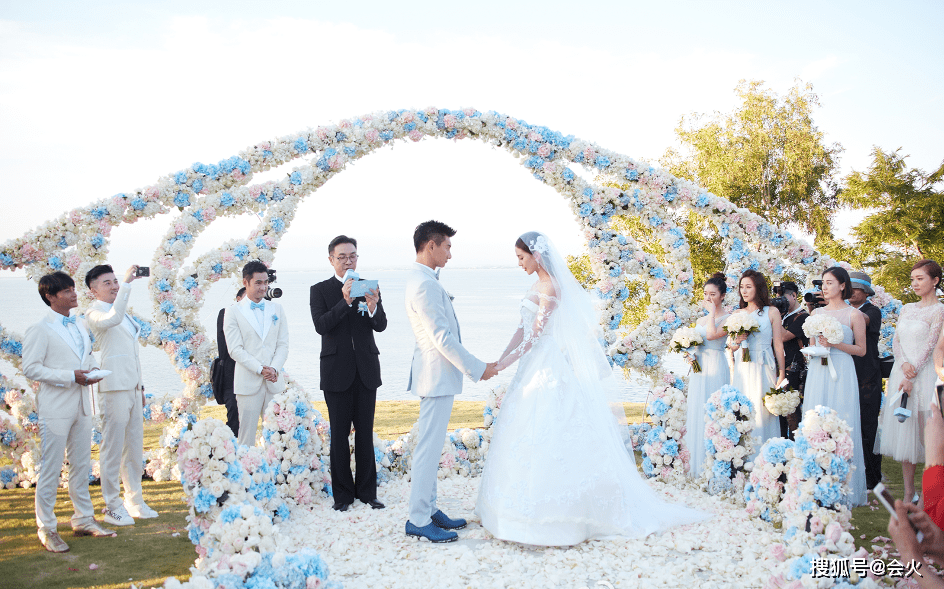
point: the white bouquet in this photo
(828, 327)
(684, 339)
(742, 323)
(781, 401)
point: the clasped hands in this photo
(270, 374)
(491, 369)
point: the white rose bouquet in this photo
(684, 339)
(828, 327)
(739, 324)
(781, 401)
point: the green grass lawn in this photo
(148, 552)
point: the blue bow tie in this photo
(68, 321)
(437, 273)
(254, 306)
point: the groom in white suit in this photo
(57, 353)
(257, 337)
(121, 453)
(439, 362)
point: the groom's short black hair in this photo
(53, 284)
(254, 267)
(431, 230)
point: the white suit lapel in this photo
(251, 317)
(55, 322)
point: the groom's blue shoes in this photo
(431, 532)
(443, 521)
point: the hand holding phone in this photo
(886, 499)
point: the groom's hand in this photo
(490, 370)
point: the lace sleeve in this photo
(936, 320)
(546, 305)
(897, 350)
(515, 341)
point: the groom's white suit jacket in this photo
(439, 360)
(51, 357)
(253, 346)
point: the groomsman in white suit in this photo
(57, 353)
(439, 362)
(121, 395)
(257, 338)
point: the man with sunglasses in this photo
(350, 373)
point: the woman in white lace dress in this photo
(841, 393)
(765, 368)
(557, 471)
(917, 332)
(714, 370)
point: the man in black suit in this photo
(350, 373)
(869, 374)
(223, 381)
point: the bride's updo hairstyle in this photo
(527, 238)
(718, 281)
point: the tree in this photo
(907, 223)
(767, 156)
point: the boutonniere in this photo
(449, 294)
(275, 319)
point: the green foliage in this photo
(767, 156)
(907, 223)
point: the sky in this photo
(98, 98)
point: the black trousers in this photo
(232, 411)
(353, 407)
(870, 403)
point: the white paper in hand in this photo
(97, 374)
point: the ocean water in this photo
(487, 305)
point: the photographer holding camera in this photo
(794, 316)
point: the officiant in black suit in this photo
(350, 373)
(869, 374)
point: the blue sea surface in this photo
(486, 301)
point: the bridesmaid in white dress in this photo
(918, 329)
(766, 367)
(714, 370)
(841, 394)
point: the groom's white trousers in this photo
(431, 434)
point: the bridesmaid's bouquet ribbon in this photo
(741, 324)
(684, 340)
(828, 327)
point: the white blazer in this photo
(51, 357)
(439, 360)
(253, 346)
(119, 347)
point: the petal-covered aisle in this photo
(366, 548)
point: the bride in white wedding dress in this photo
(557, 471)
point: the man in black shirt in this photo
(793, 340)
(223, 373)
(869, 374)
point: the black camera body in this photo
(816, 297)
(779, 302)
(272, 293)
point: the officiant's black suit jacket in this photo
(347, 338)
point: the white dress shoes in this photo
(118, 517)
(140, 511)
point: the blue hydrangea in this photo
(180, 178)
(651, 360)
(602, 162)
(182, 199)
(801, 566)
(11, 346)
(658, 407)
(300, 145)
(585, 209)
(302, 435)
(203, 500)
(240, 251)
(97, 241)
(631, 175)
(168, 307)
(567, 175)
(227, 199)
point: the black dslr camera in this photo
(272, 293)
(779, 302)
(816, 296)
